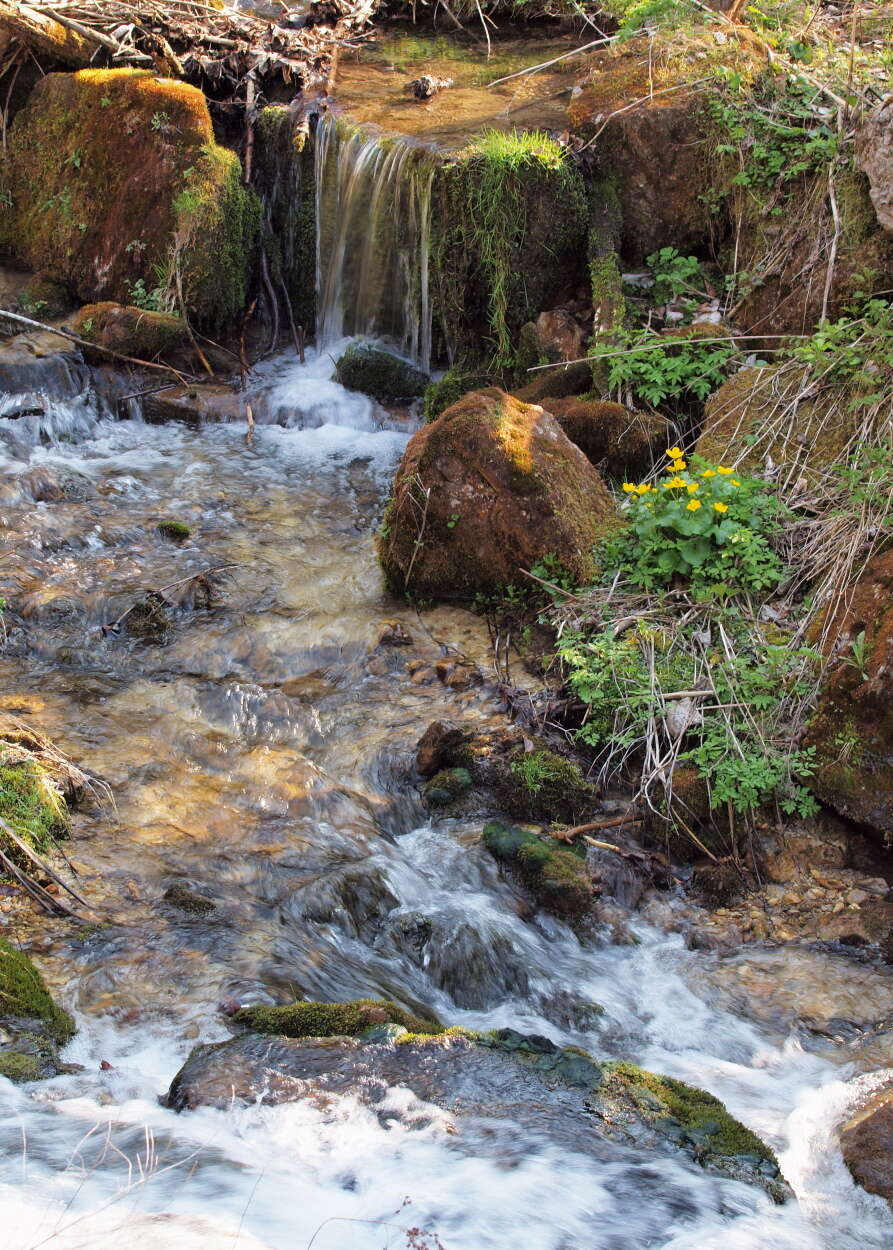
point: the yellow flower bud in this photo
(692, 487)
(709, 473)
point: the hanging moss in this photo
(500, 250)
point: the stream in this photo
(261, 755)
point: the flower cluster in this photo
(710, 487)
(703, 524)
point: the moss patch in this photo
(19, 1067)
(557, 877)
(379, 374)
(31, 803)
(447, 786)
(313, 1019)
(174, 531)
(542, 785)
(702, 1118)
(24, 996)
(131, 331)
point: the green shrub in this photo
(659, 367)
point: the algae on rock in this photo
(313, 1019)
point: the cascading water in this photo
(373, 214)
(260, 755)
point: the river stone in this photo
(867, 1144)
(486, 491)
(558, 1094)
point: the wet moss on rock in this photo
(26, 1001)
(447, 786)
(174, 531)
(314, 1019)
(181, 897)
(379, 374)
(449, 389)
(137, 332)
(543, 785)
(31, 802)
(556, 877)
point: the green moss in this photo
(284, 177)
(175, 531)
(139, 332)
(24, 995)
(447, 786)
(186, 900)
(699, 1114)
(557, 877)
(20, 1067)
(44, 298)
(544, 785)
(313, 1019)
(447, 390)
(31, 803)
(379, 374)
(500, 251)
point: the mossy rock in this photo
(700, 1121)
(26, 1006)
(557, 383)
(181, 897)
(542, 785)
(620, 441)
(114, 178)
(449, 389)
(31, 802)
(447, 786)
(136, 332)
(313, 1019)
(173, 531)
(149, 619)
(556, 877)
(45, 299)
(500, 487)
(380, 374)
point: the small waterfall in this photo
(373, 215)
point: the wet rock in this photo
(485, 491)
(555, 336)
(428, 86)
(174, 531)
(131, 331)
(852, 728)
(44, 298)
(866, 1141)
(379, 374)
(556, 877)
(623, 443)
(393, 634)
(194, 404)
(438, 747)
(32, 1025)
(42, 484)
(447, 786)
(478, 968)
(558, 1094)
(181, 897)
(874, 156)
(457, 675)
(149, 619)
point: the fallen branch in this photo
(38, 862)
(631, 817)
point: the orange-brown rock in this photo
(852, 728)
(483, 493)
(866, 1141)
(619, 441)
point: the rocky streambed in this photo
(270, 842)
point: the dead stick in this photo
(41, 864)
(628, 818)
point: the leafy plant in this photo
(160, 121)
(706, 526)
(141, 296)
(659, 367)
(673, 275)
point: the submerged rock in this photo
(486, 491)
(379, 373)
(32, 1025)
(557, 1094)
(447, 786)
(866, 1141)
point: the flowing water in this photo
(261, 755)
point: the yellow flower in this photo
(643, 489)
(693, 487)
(709, 473)
(721, 507)
(678, 465)
(674, 453)
(735, 482)
(675, 483)
(723, 470)
(694, 505)
(629, 487)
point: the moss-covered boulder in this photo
(130, 331)
(312, 1019)
(447, 786)
(449, 389)
(540, 785)
(555, 876)
(557, 383)
(32, 1025)
(378, 373)
(623, 443)
(483, 493)
(116, 185)
(852, 727)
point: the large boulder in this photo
(111, 209)
(483, 493)
(874, 156)
(136, 332)
(546, 1093)
(866, 1141)
(852, 728)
